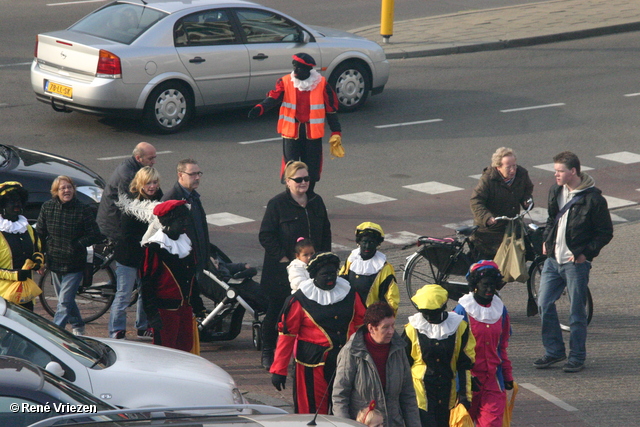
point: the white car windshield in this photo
(88, 355)
(119, 22)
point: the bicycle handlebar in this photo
(520, 215)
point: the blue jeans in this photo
(66, 287)
(553, 280)
(127, 278)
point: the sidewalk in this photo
(505, 27)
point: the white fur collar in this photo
(368, 267)
(141, 209)
(14, 227)
(180, 247)
(322, 297)
(438, 331)
(309, 84)
(481, 313)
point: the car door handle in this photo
(260, 56)
(197, 60)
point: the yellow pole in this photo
(386, 20)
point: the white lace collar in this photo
(322, 297)
(14, 227)
(309, 84)
(180, 247)
(438, 331)
(368, 267)
(481, 313)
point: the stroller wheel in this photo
(257, 335)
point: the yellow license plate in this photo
(59, 89)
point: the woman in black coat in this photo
(296, 212)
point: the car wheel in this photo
(352, 84)
(169, 107)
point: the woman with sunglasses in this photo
(296, 212)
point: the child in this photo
(297, 269)
(370, 416)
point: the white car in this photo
(122, 373)
(164, 60)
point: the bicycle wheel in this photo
(93, 301)
(563, 304)
(420, 271)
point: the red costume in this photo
(314, 328)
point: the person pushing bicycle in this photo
(503, 188)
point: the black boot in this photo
(267, 359)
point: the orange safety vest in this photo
(287, 118)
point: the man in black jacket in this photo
(109, 222)
(578, 227)
(189, 174)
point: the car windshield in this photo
(119, 22)
(88, 355)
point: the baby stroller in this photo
(232, 288)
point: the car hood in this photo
(332, 32)
(175, 377)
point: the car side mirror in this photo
(54, 368)
(305, 37)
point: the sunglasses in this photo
(300, 179)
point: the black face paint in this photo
(12, 207)
(368, 247)
(176, 227)
(485, 290)
(435, 316)
(326, 277)
(302, 72)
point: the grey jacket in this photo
(357, 383)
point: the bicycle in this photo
(446, 261)
(95, 294)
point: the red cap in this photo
(165, 207)
(304, 59)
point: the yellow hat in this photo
(430, 297)
(369, 226)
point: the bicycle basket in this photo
(439, 252)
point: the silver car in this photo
(164, 60)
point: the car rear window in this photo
(119, 22)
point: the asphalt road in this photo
(465, 106)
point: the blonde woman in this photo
(137, 214)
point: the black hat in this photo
(321, 259)
(304, 59)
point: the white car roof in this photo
(172, 6)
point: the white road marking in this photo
(632, 94)
(615, 202)
(366, 198)
(225, 218)
(67, 3)
(259, 140)
(617, 218)
(549, 167)
(129, 155)
(16, 64)
(475, 176)
(432, 187)
(454, 225)
(339, 248)
(622, 157)
(401, 238)
(421, 122)
(534, 107)
(548, 396)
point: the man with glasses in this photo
(189, 175)
(503, 188)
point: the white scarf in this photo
(322, 297)
(438, 331)
(308, 84)
(180, 247)
(14, 227)
(366, 267)
(481, 313)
